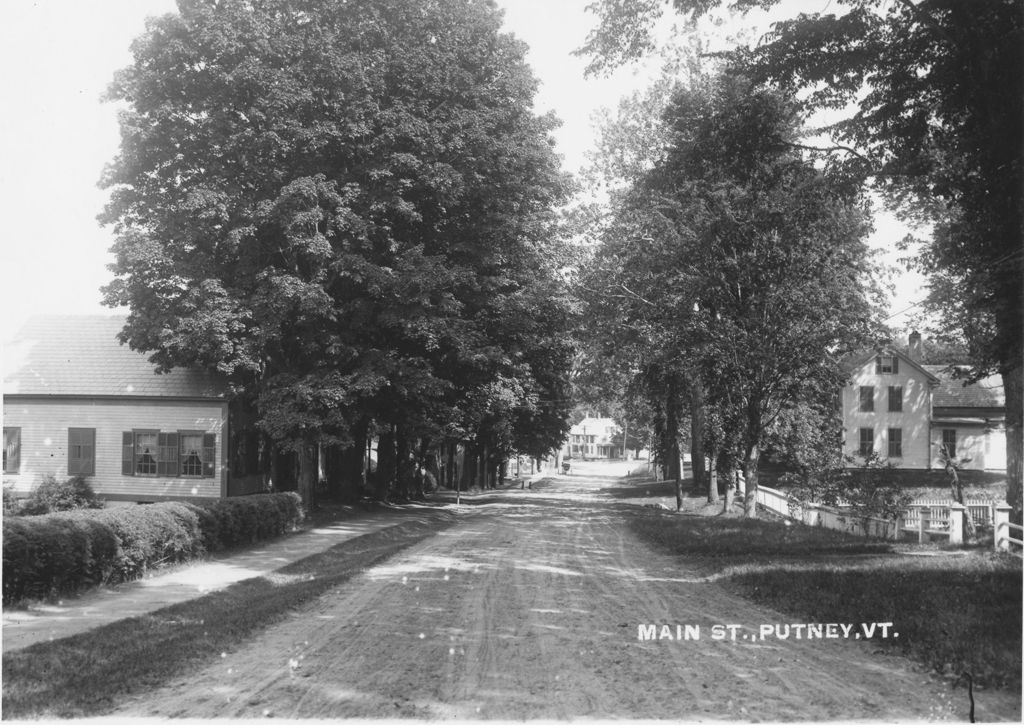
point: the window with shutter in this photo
(895, 443)
(127, 453)
(12, 450)
(191, 451)
(209, 454)
(895, 398)
(81, 451)
(867, 441)
(886, 364)
(147, 451)
(167, 461)
(949, 441)
(867, 398)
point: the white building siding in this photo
(986, 448)
(913, 420)
(44, 440)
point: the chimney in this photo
(915, 347)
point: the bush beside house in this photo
(62, 553)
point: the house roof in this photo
(593, 426)
(856, 360)
(952, 393)
(81, 355)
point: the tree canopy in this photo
(930, 95)
(738, 265)
(347, 208)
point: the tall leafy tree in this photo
(934, 94)
(324, 200)
(746, 261)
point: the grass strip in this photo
(954, 614)
(89, 673)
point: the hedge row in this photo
(62, 553)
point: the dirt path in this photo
(530, 609)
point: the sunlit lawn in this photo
(955, 612)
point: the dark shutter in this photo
(13, 450)
(81, 451)
(167, 461)
(209, 454)
(895, 364)
(127, 453)
(878, 365)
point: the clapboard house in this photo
(79, 403)
(908, 413)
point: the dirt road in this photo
(530, 608)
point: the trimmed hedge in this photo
(62, 553)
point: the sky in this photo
(57, 134)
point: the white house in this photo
(593, 438)
(77, 402)
(907, 412)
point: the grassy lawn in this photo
(86, 674)
(954, 613)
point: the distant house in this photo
(78, 403)
(593, 438)
(907, 412)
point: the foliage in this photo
(61, 553)
(52, 495)
(737, 267)
(872, 494)
(347, 209)
(12, 504)
(931, 101)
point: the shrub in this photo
(12, 506)
(46, 556)
(52, 495)
(60, 553)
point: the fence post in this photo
(1001, 521)
(920, 525)
(957, 511)
(897, 528)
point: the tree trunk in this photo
(1013, 388)
(386, 462)
(469, 466)
(403, 464)
(672, 468)
(697, 439)
(750, 472)
(712, 476)
(307, 456)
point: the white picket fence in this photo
(813, 514)
(937, 510)
(927, 518)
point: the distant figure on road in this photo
(566, 466)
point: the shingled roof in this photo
(80, 355)
(952, 393)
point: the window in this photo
(888, 364)
(949, 441)
(895, 443)
(895, 398)
(867, 398)
(191, 453)
(12, 450)
(81, 451)
(155, 453)
(867, 441)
